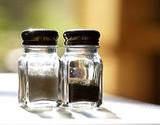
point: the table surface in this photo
(115, 110)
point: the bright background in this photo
(130, 38)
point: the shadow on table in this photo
(100, 112)
(55, 113)
(67, 113)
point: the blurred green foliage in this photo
(17, 15)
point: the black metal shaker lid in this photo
(81, 37)
(39, 37)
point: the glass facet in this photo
(38, 71)
(81, 77)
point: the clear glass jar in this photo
(81, 69)
(38, 70)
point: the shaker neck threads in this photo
(39, 49)
(81, 49)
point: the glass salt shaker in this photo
(81, 69)
(38, 70)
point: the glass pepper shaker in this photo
(38, 70)
(81, 69)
